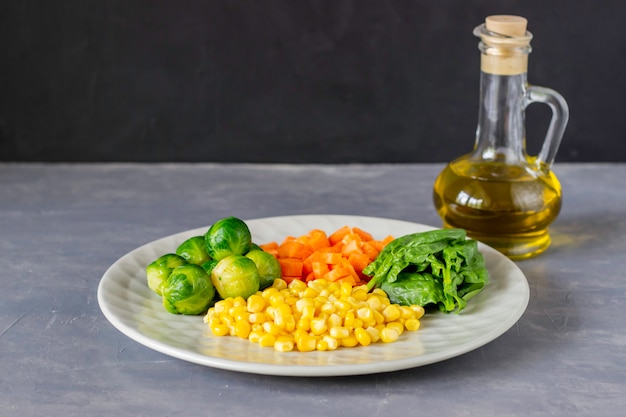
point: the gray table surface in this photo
(62, 226)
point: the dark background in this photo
(291, 81)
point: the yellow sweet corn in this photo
(318, 315)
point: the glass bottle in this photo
(501, 195)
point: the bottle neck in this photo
(500, 133)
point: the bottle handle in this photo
(560, 116)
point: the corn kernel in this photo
(397, 325)
(319, 325)
(348, 320)
(358, 323)
(331, 342)
(304, 324)
(379, 292)
(339, 332)
(255, 336)
(342, 306)
(349, 341)
(412, 324)
(321, 345)
(406, 313)
(334, 320)
(365, 314)
(308, 312)
(239, 313)
(284, 344)
(296, 287)
(359, 294)
(419, 310)
(239, 301)
(374, 302)
(256, 303)
(259, 317)
(362, 336)
(309, 293)
(222, 306)
(306, 343)
(378, 317)
(227, 319)
(267, 340)
(220, 329)
(290, 323)
(389, 335)
(213, 321)
(279, 284)
(317, 285)
(392, 313)
(277, 299)
(271, 328)
(345, 289)
(327, 307)
(373, 333)
(242, 329)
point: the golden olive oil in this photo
(498, 193)
(508, 207)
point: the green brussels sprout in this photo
(188, 290)
(159, 270)
(254, 246)
(235, 276)
(209, 265)
(229, 236)
(193, 250)
(267, 265)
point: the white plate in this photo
(136, 311)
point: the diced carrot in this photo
(350, 247)
(365, 236)
(336, 274)
(294, 249)
(271, 247)
(290, 267)
(359, 261)
(339, 234)
(340, 256)
(320, 269)
(318, 239)
(370, 249)
(331, 258)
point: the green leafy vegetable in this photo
(228, 236)
(236, 276)
(267, 265)
(160, 269)
(188, 290)
(193, 250)
(439, 267)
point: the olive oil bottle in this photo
(498, 193)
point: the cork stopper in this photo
(506, 25)
(505, 44)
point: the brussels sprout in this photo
(159, 270)
(254, 246)
(229, 236)
(194, 250)
(235, 276)
(267, 265)
(209, 265)
(188, 290)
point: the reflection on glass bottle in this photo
(498, 193)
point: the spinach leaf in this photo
(439, 267)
